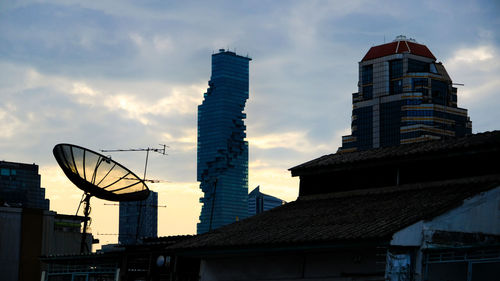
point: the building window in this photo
(420, 85)
(395, 77)
(417, 66)
(367, 74)
(396, 86)
(395, 69)
(368, 92)
(439, 91)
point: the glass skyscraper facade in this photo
(222, 153)
(404, 96)
(20, 186)
(129, 233)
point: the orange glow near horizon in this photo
(182, 210)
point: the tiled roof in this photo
(398, 47)
(479, 141)
(360, 215)
(164, 240)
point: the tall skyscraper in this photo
(404, 96)
(129, 233)
(222, 163)
(259, 202)
(20, 186)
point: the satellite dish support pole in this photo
(86, 213)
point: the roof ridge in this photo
(406, 187)
(446, 144)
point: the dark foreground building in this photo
(423, 211)
(27, 228)
(26, 234)
(149, 260)
(404, 96)
(222, 163)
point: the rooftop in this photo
(368, 213)
(400, 45)
(360, 215)
(231, 53)
(479, 142)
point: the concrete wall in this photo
(479, 214)
(10, 243)
(345, 265)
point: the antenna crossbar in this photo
(162, 150)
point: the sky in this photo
(130, 74)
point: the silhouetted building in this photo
(259, 202)
(143, 213)
(421, 211)
(20, 186)
(26, 234)
(404, 96)
(222, 163)
(147, 261)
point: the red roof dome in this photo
(398, 47)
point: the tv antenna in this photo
(158, 150)
(162, 151)
(150, 205)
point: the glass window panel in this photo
(418, 66)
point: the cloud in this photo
(474, 56)
(275, 182)
(186, 140)
(82, 89)
(9, 124)
(477, 68)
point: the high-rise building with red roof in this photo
(404, 96)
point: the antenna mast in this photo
(159, 150)
(139, 204)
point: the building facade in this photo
(20, 186)
(138, 213)
(222, 153)
(404, 96)
(259, 202)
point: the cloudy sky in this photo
(130, 74)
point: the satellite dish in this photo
(99, 176)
